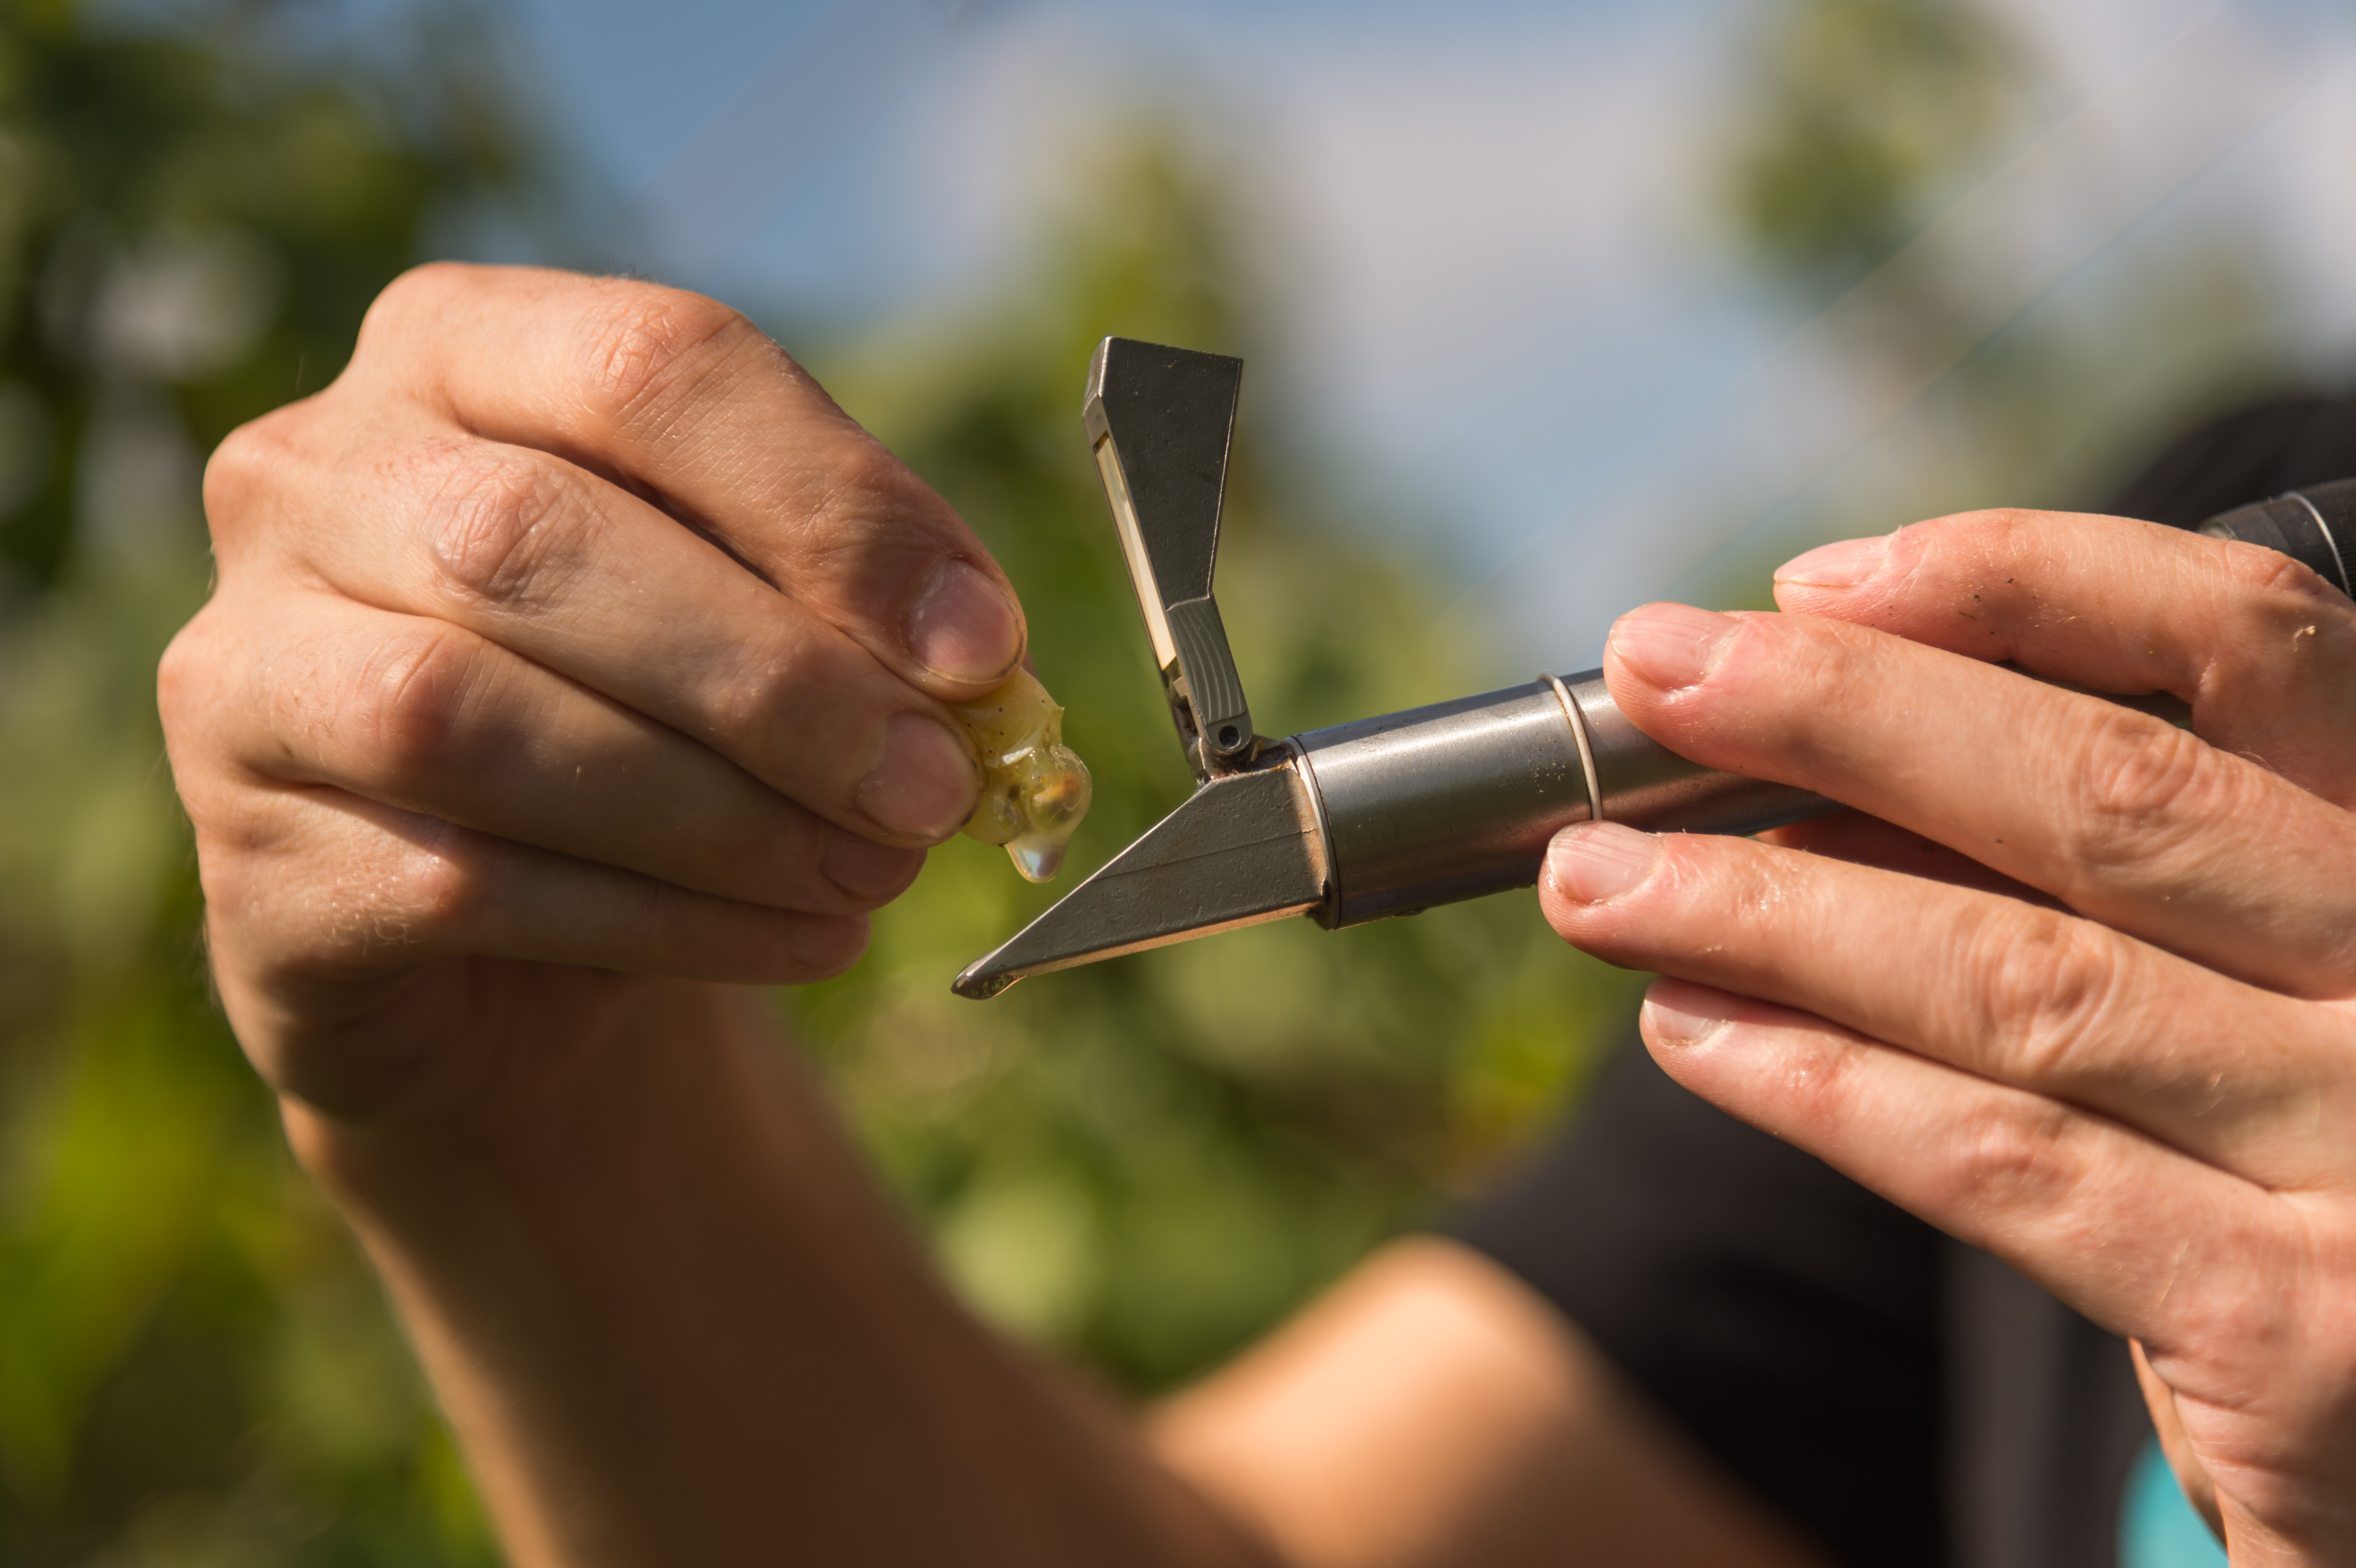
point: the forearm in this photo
(1431, 1409)
(672, 1321)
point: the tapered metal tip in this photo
(1243, 848)
(975, 984)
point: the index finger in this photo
(2263, 648)
(2121, 815)
(687, 402)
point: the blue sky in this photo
(1492, 226)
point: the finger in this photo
(2263, 648)
(2121, 815)
(435, 720)
(2199, 1487)
(546, 560)
(1863, 841)
(2028, 996)
(692, 404)
(2137, 1237)
(409, 888)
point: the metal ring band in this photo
(1308, 771)
(1586, 752)
(2328, 543)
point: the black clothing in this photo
(1904, 1399)
(1907, 1402)
(2247, 456)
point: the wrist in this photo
(385, 1117)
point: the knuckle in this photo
(648, 347)
(250, 462)
(2273, 580)
(442, 891)
(416, 295)
(1785, 672)
(870, 517)
(1824, 1094)
(245, 839)
(184, 678)
(2270, 601)
(500, 525)
(1689, 871)
(432, 889)
(759, 697)
(2233, 1315)
(863, 482)
(783, 688)
(2144, 784)
(873, 530)
(2013, 1157)
(220, 822)
(2050, 991)
(410, 703)
(226, 873)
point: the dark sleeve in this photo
(1778, 1314)
(2245, 456)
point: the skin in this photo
(576, 664)
(2116, 1049)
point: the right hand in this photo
(488, 753)
(2078, 987)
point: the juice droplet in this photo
(1037, 856)
(1034, 789)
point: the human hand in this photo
(2081, 986)
(572, 649)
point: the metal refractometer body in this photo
(1394, 814)
(1346, 824)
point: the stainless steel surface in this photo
(1385, 817)
(1162, 421)
(1243, 848)
(1578, 731)
(1444, 803)
(1647, 785)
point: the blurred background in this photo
(1548, 310)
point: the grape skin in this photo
(1035, 788)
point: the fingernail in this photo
(923, 780)
(1670, 646)
(963, 626)
(864, 869)
(1597, 860)
(1676, 1013)
(1842, 565)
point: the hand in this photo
(574, 644)
(2080, 987)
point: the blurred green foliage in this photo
(1149, 1160)
(194, 214)
(1145, 1162)
(194, 1366)
(1862, 124)
(1864, 113)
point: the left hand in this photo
(2080, 986)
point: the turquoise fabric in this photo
(2157, 1528)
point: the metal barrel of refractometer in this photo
(1458, 800)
